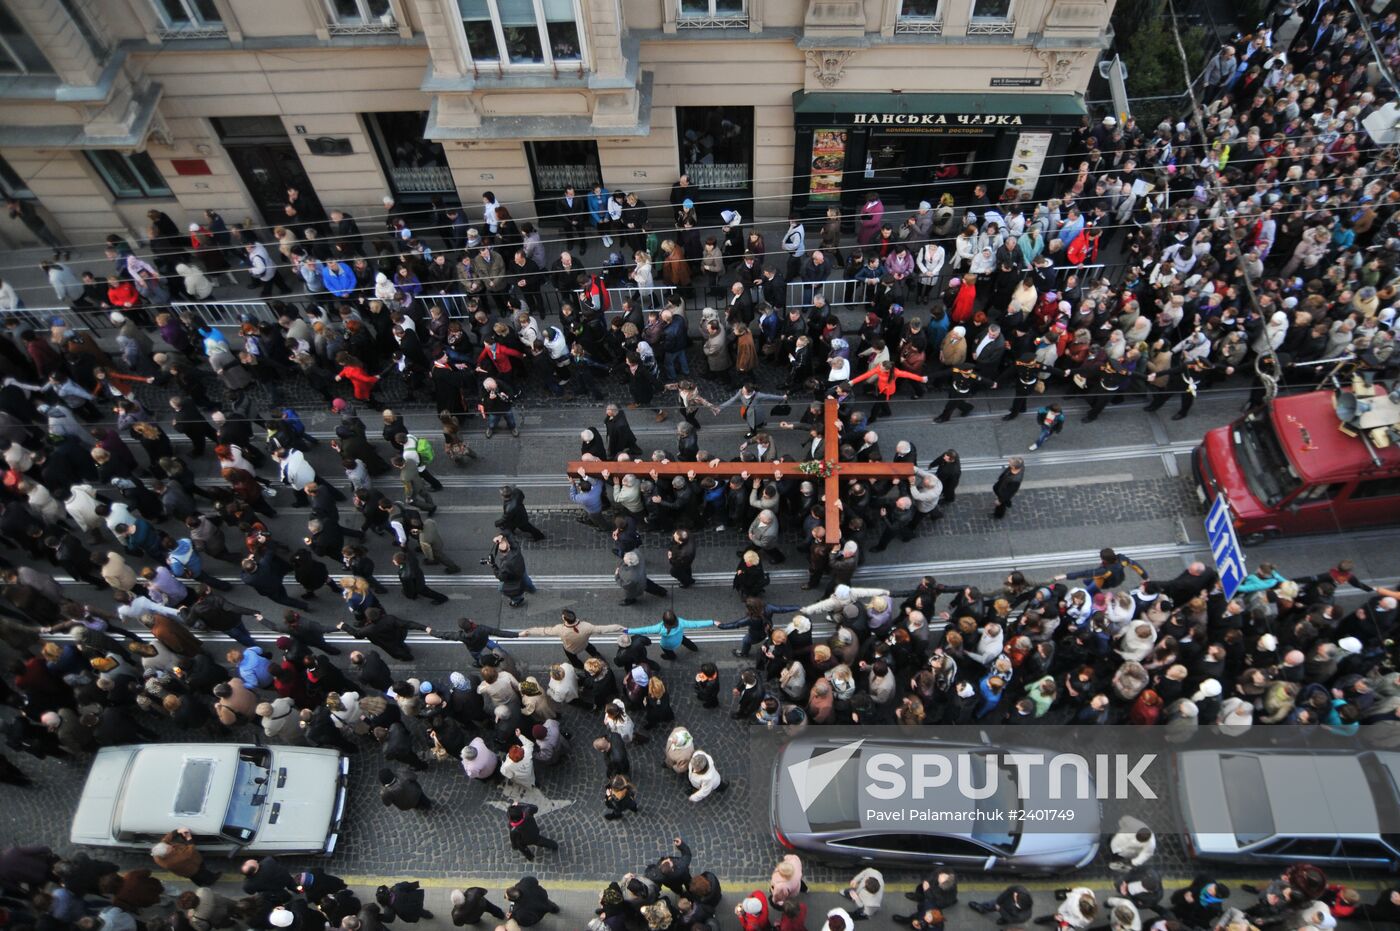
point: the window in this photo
(18, 53)
(1267, 471)
(1377, 488)
(83, 22)
(556, 165)
(934, 845)
(716, 146)
(991, 18)
(712, 14)
(1315, 493)
(1311, 847)
(919, 16)
(189, 19)
(1250, 814)
(11, 184)
(837, 807)
(414, 165)
(1358, 848)
(360, 17)
(192, 791)
(129, 176)
(521, 32)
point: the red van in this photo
(1306, 463)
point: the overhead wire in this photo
(293, 296)
(754, 181)
(1269, 380)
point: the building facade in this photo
(110, 108)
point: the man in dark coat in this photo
(412, 579)
(385, 631)
(1007, 484)
(269, 878)
(371, 670)
(403, 792)
(508, 565)
(398, 746)
(471, 904)
(525, 830)
(529, 902)
(681, 555)
(619, 434)
(513, 514)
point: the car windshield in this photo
(1266, 468)
(994, 825)
(838, 806)
(249, 793)
(1381, 783)
(1250, 816)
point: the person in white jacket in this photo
(197, 284)
(843, 601)
(867, 892)
(704, 777)
(1123, 915)
(1078, 910)
(1136, 641)
(345, 710)
(563, 683)
(1132, 846)
(518, 768)
(279, 717)
(929, 262)
(82, 507)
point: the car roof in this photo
(1300, 786)
(1300, 789)
(172, 785)
(1307, 426)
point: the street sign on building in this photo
(1225, 546)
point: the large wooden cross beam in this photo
(830, 470)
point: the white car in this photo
(232, 797)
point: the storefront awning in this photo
(1040, 105)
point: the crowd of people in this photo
(1259, 243)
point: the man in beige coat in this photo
(575, 635)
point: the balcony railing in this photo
(995, 27)
(925, 26)
(735, 21)
(427, 179)
(190, 31)
(374, 27)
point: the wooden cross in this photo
(831, 445)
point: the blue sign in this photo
(1225, 546)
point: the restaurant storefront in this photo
(913, 147)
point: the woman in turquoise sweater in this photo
(672, 630)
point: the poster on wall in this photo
(1027, 162)
(828, 164)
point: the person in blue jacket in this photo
(598, 207)
(671, 630)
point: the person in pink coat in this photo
(786, 881)
(871, 216)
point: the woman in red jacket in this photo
(361, 382)
(121, 293)
(886, 383)
(963, 303)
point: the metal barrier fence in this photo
(858, 292)
(41, 318)
(550, 300)
(226, 313)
